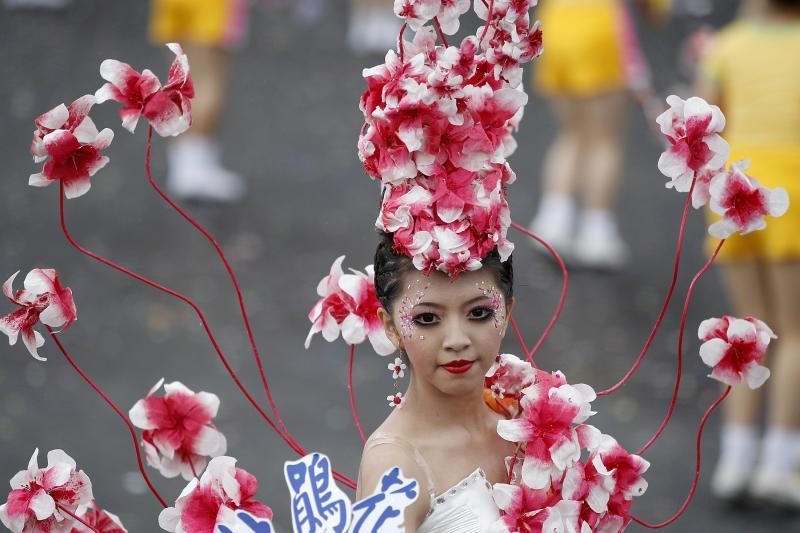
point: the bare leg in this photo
(562, 160)
(775, 478)
(195, 164)
(601, 129)
(746, 288)
(597, 240)
(210, 67)
(556, 212)
(784, 383)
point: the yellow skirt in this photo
(582, 48)
(218, 23)
(780, 240)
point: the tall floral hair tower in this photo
(439, 124)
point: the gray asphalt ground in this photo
(290, 127)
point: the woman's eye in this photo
(426, 319)
(481, 313)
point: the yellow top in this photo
(756, 67)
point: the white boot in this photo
(598, 243)
(554, 223)
(195, 172)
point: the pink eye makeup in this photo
(496, 302)
(409, 321)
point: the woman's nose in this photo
(456, 338)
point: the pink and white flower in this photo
(213, 499)
(527, 510)
(734, 349)
(71, 145)
(167, 108)
(743, 202)
(39, 496)
(178, 434)
(398, 368)
(509, 376)
(43, 299)
(349, 305)
(449, 13)
(417, 12)
(547, 426)
(100, 519)
(692, 128)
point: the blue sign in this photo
(318, 504)
(247, 523)
(382, 512)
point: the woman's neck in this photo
(432, 407)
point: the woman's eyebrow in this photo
(465, 304)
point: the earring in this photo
(398, 369)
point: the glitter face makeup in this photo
(491, 292)
(407, 324)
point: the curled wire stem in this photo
(693, 488)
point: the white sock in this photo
(739, 446)
(780, 451)
(555, 210)
(192, 151)
(599, 223)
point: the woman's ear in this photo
(388, 326)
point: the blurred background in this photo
(294, 197)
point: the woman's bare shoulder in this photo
(384, 451)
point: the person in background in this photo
(592, 58)
(373, 27)
(209, 31)
(752, 71)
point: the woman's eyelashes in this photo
(478, 314)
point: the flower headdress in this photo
(439, 123)
(438, 130)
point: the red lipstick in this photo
(458, 367)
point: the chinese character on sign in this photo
(382, 512)
(318, 505)
(247, 523)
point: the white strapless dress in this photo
(466, 507)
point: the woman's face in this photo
(451, 330)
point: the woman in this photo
(761, 270)
(442, 434)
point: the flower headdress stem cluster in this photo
(116, 409)
(167, 108)
(290, 441)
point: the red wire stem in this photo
(352, 392)
(76, 517)
(116, 409)
(441, 33)
(520, 338)
(293, 445)
(679, 370)
(400, 46)
(488, 21)
(564, 288)
(696, 469)
(234, 280)
(667, 299)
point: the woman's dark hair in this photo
(790, 4)
(390, 268)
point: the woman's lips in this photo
(458, 367)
